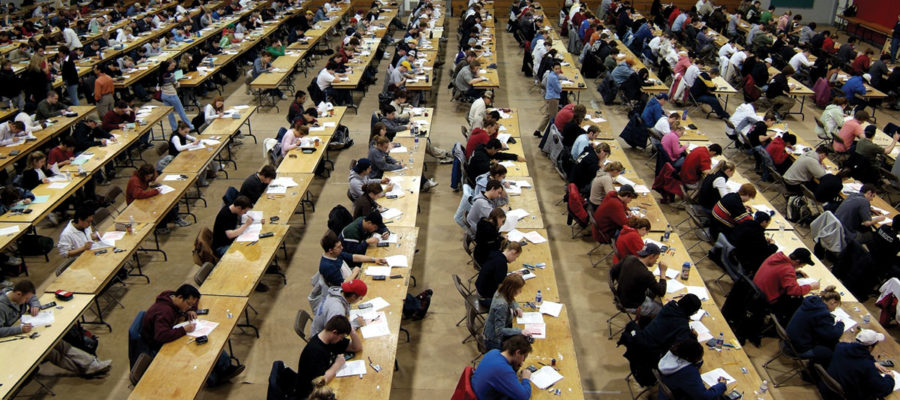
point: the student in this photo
(603, 182)
(297, 136)
(36, 171)
(337, 302)
(255, 185)
(884, 247)
(872, 152)
(584, 140)
(806, 170)
(487, 236)
(88, 133)
(228, 224)
(715, 185)
(104, 89)
(21, 300)
(631, 238)
(813, 330)
(497, 172)
(853, 366)
(586, 166)
(778, 91)
(679, 370)
(139, 188)
(698, 163)
(673, 147)
(495, 377)
(297, 106)
(50, 107)
(851, 130)
(366, 203)
(359, 177)
(333, 267)
(62, 154)
(482, 204)
(263, 64)
(751, 245)
(78, 235)
(325, 81)
(467, 77)
(478, 109)
(494, 270)
(777, 279)
(855, 214)
(159, 327)
(777, 150)
(612, 213)
(380, 158)
(489, 129)
(653, 110)
(480, 161)
(498, 326)
(323, 356)
(118, 117)
(357, 236)
(637, 288)
(552, 95)
(731, 210)
(169, 89)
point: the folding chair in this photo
(786, 349)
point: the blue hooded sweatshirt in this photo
(813, 325)
(683, 379)
(854, 368)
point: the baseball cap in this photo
(869, 337)
(361, 165)
(768, 60)
(92, 117)
(867, 77)
(662, 96)
(355, 286)
(803, 255)
(648, 250)
(406, 64)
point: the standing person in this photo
(499, 322)
(169, 93)
(70, 72)
(323, 356)
(552, 93)
(495, 377)
(895, 40)
(103, 90)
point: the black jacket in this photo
(10, 84)
(778, 87)
(86, 137)
(480, 162)
(585, 169)
(493, 271)
(854, 368)
(813, 325)
(644, 347)
(70, 72)
(487, 240)
(750, 245)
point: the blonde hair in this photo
(37, 60)
(34, 157)
(613, 166)
(320, 391)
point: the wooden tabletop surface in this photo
(240, 269)
(283, 205)
(152, 209)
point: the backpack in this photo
(415, 308)
(798, 210)
(35, 245)
(82, 339)
(339, 218)
(199, 120)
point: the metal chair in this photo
(832, 385)
(470, 298)
(700, 221)
(620, 310)
(824, 137)
(475, 326)
(729, 260)
(138, 369)
(300, 324)
(780, 186)
(631, 390)
(786, 348)
(465, 132)
(662, 386)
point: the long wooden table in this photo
(242, 266)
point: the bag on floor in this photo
(35, 245)
(82, 339)
(339, 218)
(798, 210)
(415, 308)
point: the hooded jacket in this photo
(157, 328)
(357, 182)
(11, 312)
(628, 243)
(751, 246)
(854, 368)
(670, 326)
(813, 325)
(776, 277)
(610, 215)
(333, 304)
(683, 379)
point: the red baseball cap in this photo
(355, 286)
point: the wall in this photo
(823, 13)
(883, 12)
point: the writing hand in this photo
(27, 328)
(191, 315)
(190, 327)
(381, 261)
(526, 374)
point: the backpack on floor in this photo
(415, 308)
(339, 218)
(82, 338)
(35, 245)
(798, 210)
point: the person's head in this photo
(770, 119)
(727, 167)
(649, 254)
(688, 350)
(52, 97)
(372, 190)
(557, 68)
(379, 129)
(870, 131)
(602, 150)
(388, 111)
(511, 286)
(868, 190)
(498, 217)
(362, 167)
(300, 130)
(640, 224)
(382, 143)
(673, 118)
(614, 168)
(36, 159)
(789, 139)
(512, 251)
(266, 174)
(861, 116)
(121, 105)
(241, 205)
(146, 173)
(354, 290)
(266, 56)
(747, 192)
(788, 70)
(869, 338)
(662, 98)
(498, 172)
(493, 146)
(593, 132)
(516, 349)
(186, 297)
(715, 149)
(493, 189)
(331, 244)
(800, 257)
(488, 97)
(321, 391)
(372, 222)
(627, 194)
(336, 329)
(831, 297)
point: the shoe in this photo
(13, 260)
(53, 219)
(180, 222)
(262, 288)
(98, 367)
(235, 371)
(284, 96)
(430, 183)
(162, 230)
(237, 142)
(204, 183)
(446, 160)
(348, 144)
(538, 134)
(7, 283)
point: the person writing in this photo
(680, 372)
(498, 326)
(333, 266)
(855, 214)
(228, 224)
(141, 186)
(612, 213)
(323, 356)
(857, 371)
(631, 238)
(359, 177)
(487, 236)
(337, 302)
(636, 286)
(813, 330)
(731, 210)
(494, 271)
(78, 236)
(357, 236)
(255, 185)
(777, 279)
(751, 245)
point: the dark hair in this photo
(493, 184)
(329, 241)
(338, 324)
(789, 138)
(67, 141)
(517, 343)
(387, 109)
(268, 171)
(299, 94)
(689, 350)
(867, 188)
(242, 202)
(493, 144)
(715, 148)
(373, 187)
(187, 292)
(83, 213)
(375, 218)
(145, 169)
(123, 104)
(311, 111)
(24, 287)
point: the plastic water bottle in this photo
(416, 141)
(538, 298)
(130, 224)
(668, 233)
(228, 314)
(685, 270)
(720, 341)
(763, 388)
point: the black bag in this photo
(798, 210)
(338, 218)
(82, 339)
(35, 245)
(199, 120)
(415, 308)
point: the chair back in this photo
(782, 334)
(162, 149)
(101, 214)
(203, 251)
(614, 289)
(203, 273)
(464, 390)
(729, 259)
(463, 291)
(140, 366)
(662, 386)
(465, 132)
(300, 324)
(230, 195)
(830, 383)
(113, 193)
(475, 326)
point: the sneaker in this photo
(181, 222)
(53, 219)
(538, 134)
(204, 183)
(235, 371)
(430, 183)
(262, 288)
(13, 260)
(446, 160)
(162, 230)
(98, 367)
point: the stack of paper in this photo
(397, 261)
(841, 316)
(551, 308)
(671, 273)
(545, 377)
(537, 331)
(377, 303)
(201, 328)
(392, 238)
(400, 149)
(352, 368)
(732, 186)
(530, 318)
(674, 286)
(698, 315)
(622, 180)
(377, 327)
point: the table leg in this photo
(247, 323)
(157, 249)
(231, 353)
(99, 320)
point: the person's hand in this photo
(878, 366)
(385, 181)
(506, 184)
(360, 321)
(722, 379)
(520, 158)
(389, 187)
(768, 239)
(87, 245)
(249, 220)
(519, 312)
(196, 141)
(34, 311)
(26, 201)
(662, 269)
(896, 137)
(339, 361)
(27, 328)
(104, 141)
(380, 261)
(372, 240)
(122, 126)
(814, 286)
(45, 180)
(878, 218)
(191, 315)
(190, 327)
(526, 373)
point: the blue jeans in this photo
(895, 44)
(713, 102)
(222, 367)
(175, 102)
(220, 251)
(73, 94)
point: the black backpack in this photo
(415, 307)
(82, 339)
(338, 218)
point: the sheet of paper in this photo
(251, 234)
(671, 273)
(674, 286)
(806, 281)
(513, 190)
(392, 238)
(712, 377)
(704, 337)
(352, 368)
(397, 261)
(762, 207)
(276, 190)
(82, 158)
(698, 326)
(375, 270)
(391, 213)
(551, 308)
(45, 317)
(285, 181)
(545, 377)
(732, 186)
(378, 327)
(522, 183)
(508, 164)
(203, 328)
(40, 199)
(58, 185)
(841, 316)
(622, 180)
(641, 189)
(515, 235)
(400, 149)
(112, 236)
(9, 230)
(530, 318)
(171, 178)
(535, 237)
(537, 331)
(509, 225)
(55, 169)
(517, 214)
(163, 189)
(699, 291)
(377, 303)
(256, 215)
(698, 315)
(57, 178)
(367, 314)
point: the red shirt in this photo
(478, 136)
(697, 161)
(58, 155)
(828, 46)
(138, 189)
(628, 243)
(564, 116)
(610, 215)
(776, 150)
(860, 65)
(776, 277)
(675, 13)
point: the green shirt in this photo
(765, 17)
(275, 51)
(869, 150)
